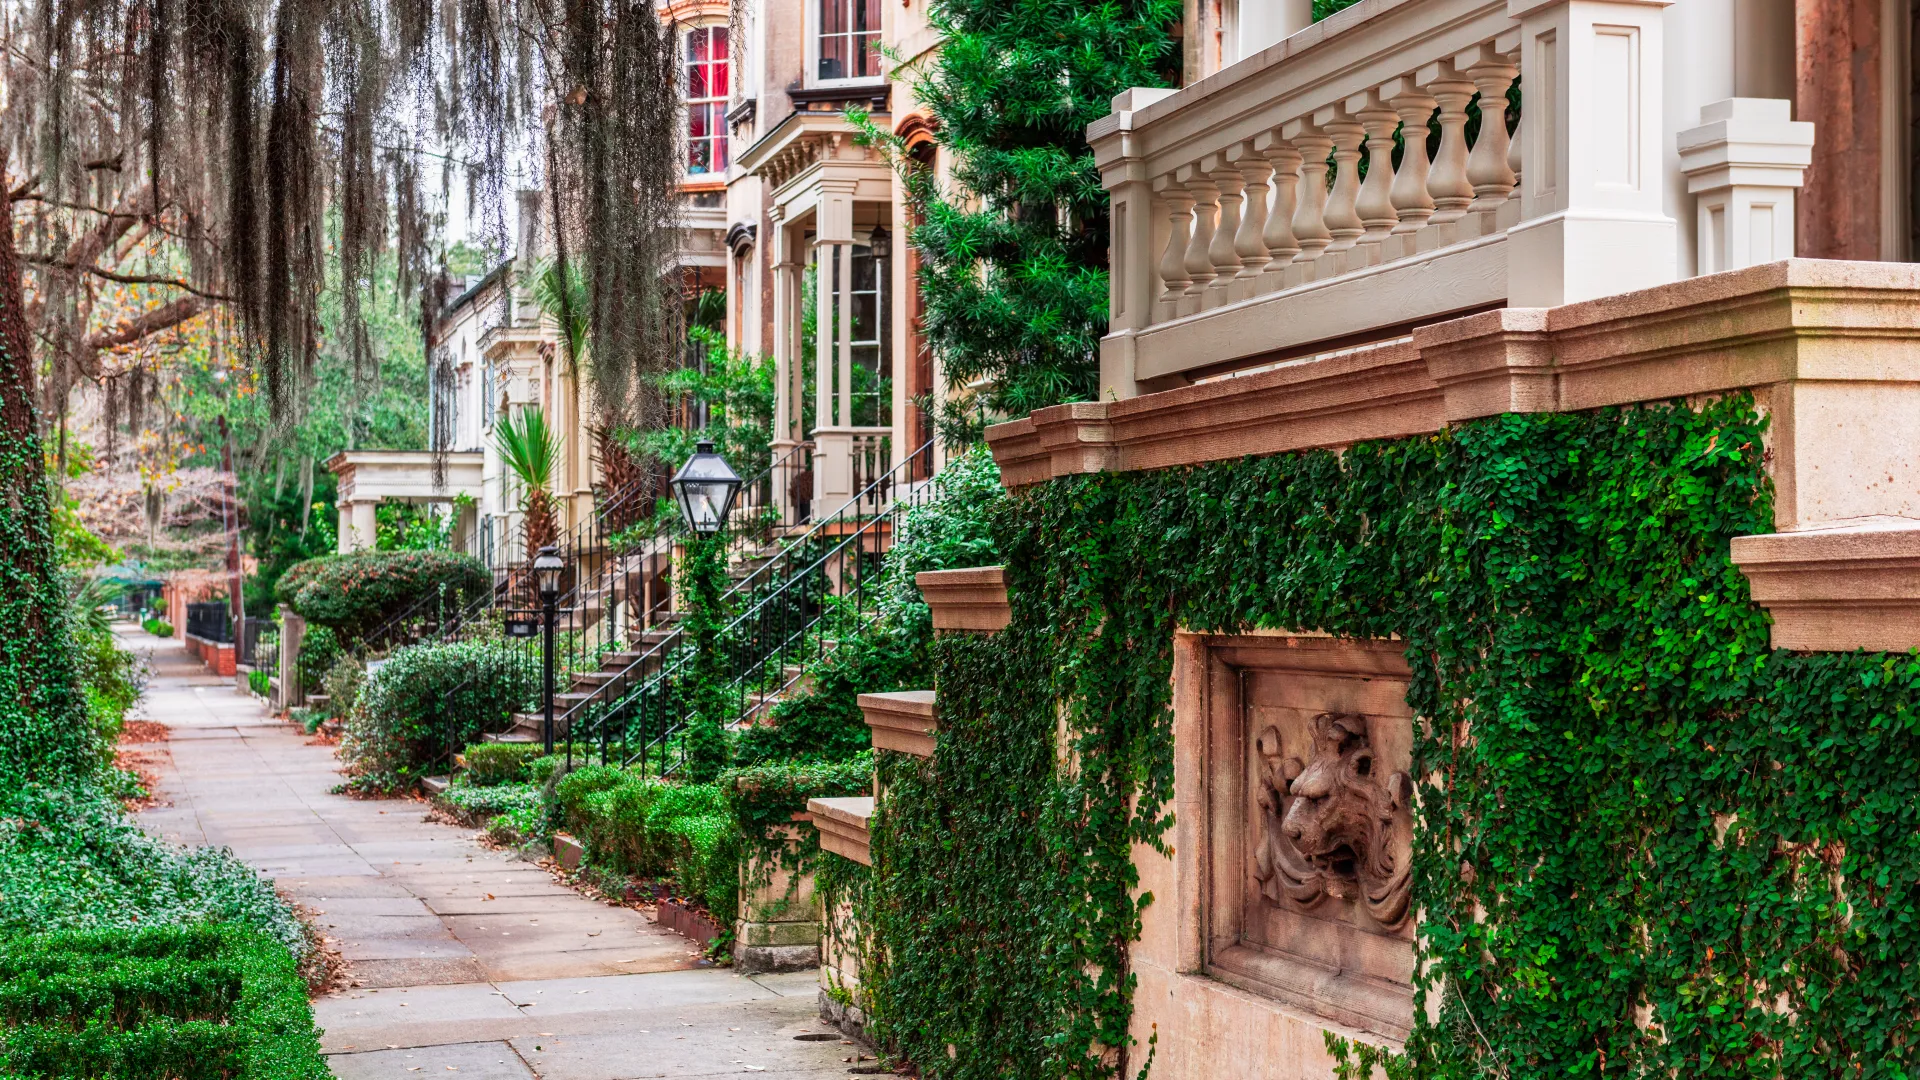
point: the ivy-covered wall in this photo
(1695, 856)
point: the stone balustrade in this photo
(1277, 209)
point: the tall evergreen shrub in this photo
(1014, 248)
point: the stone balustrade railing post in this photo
(1593, 207)
(1743, 164)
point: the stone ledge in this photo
(903, 722)
(843, 826)
(1831, 351)
(973, 599)
(1838, 589)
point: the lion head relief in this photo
(1328, 822)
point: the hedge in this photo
(354, 593)
(426, 698)
(202, 1002)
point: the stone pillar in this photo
(1592, 204)
(1266, 22)
(1838, 65)
(1742, 165)
(343, 527)
(779, 924)
(293, 631)
(365, 527)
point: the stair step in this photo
(435, 785)
(515, 736)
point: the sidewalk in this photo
(467, 959)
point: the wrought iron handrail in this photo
(788, 608)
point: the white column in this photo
(1742, 165)
(365, 526)
(1592, 208)
(343, 530)
(1264, 22)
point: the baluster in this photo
(1487, 168)
(1206, 209)
(1282, 248)
(1173, 262)
(1447, 183)
(1410, 198)
(1343, 219)
(1248, 242)
(1225, 260)
(1515, 154)
(1375, 204)
(1310, 220)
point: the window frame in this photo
(816, 30)
(717, 137)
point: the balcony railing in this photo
(1375, 172)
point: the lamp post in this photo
(547, 566)
(705, 488)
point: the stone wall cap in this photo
(917, 702)
(851, 810)
(1894, 539)
(970, 575)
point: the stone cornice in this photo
(904, 721)
(972, 600)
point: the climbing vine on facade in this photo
(1695, 856)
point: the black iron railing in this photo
(210, 621)
(792, 608)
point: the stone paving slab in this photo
(462, 1061)
(449, 983)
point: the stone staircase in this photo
(618, 671)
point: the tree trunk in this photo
(44, 734)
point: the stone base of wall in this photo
(850, 1019)
(753, 959)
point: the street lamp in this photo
(705, 488)
(547, 567)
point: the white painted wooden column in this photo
(1592, 205)
(1742, 165)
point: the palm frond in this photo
(87, 599)
(529, 448)
(563, 297)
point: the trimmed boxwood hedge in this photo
(354, 593)
(204, 1002)
(426, 698)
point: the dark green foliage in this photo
(1015, 270)
(502, 763)
(763, 798)
(1652, 809)
(319, 651)
(703, 580)
(72, 860)
(736, 388)
(634, 824)
(890, 653)
(354, 593)
(218, 1002)
(428, 698)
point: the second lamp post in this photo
(547, 568)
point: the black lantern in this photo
(705, 487)
(547, 567)
(880, 242)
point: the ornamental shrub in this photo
(503, 763)
(354, 593)
(642, 825)
(157, 627)
(202, 1002)
(71, 860)
(427, 698)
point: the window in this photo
(872, 390)
(707, 99)
(849, 39)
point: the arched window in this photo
(707, 99)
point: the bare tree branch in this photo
(38, 259)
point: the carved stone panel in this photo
(1307, 771)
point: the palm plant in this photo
(530, 449)
(562, 296)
